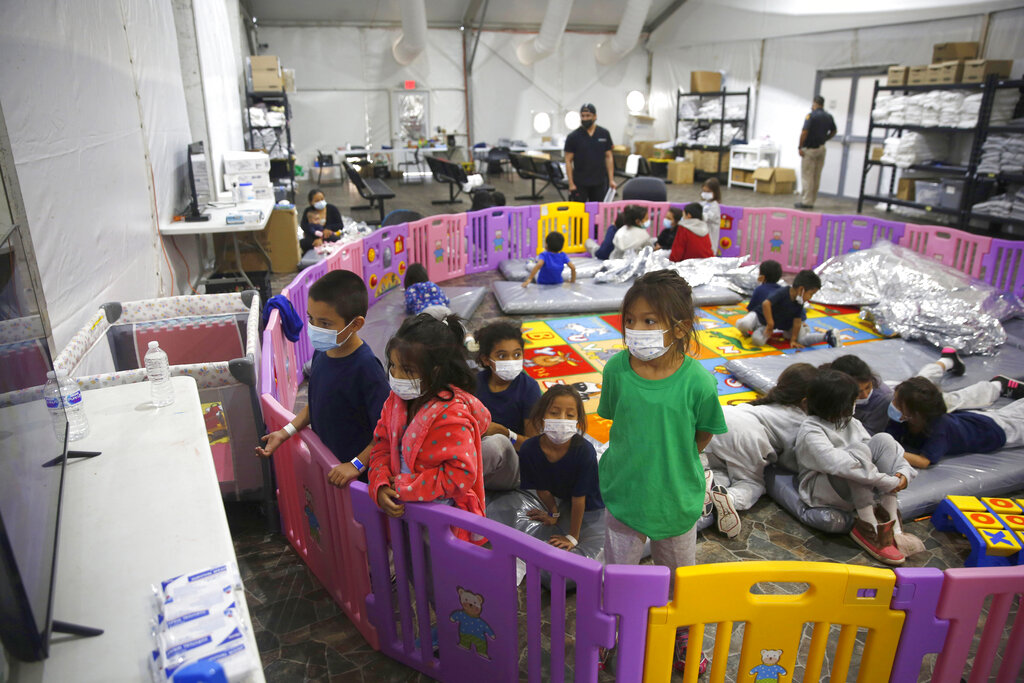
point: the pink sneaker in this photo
(880, 543)
(682, 639)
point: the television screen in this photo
(30, 437)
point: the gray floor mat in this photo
(586, 297)
(518, 268)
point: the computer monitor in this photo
(199, 182)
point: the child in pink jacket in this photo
(426, 447)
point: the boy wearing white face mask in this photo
(347, 386)
(784, 310)
(664, 407)
(560, 465)
(509, 394)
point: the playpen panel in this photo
(629, 592)
(522, 229)
(954, 248)
(298, 293)
(603, 215)
(277, 374)
(439, 243)
(569, 218)
(1003, 266)
(385, 259)
(843, 234)
(189, 340)
(473, 590)
(917, 594)
(964, 592)
(292, 516)
(729, 233)
(349, 257)
(25, 365)
(487, 237)
(788, 236)
(852, 597)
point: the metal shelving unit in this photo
(281, 167)
(708, 122)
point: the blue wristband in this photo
(357, 463)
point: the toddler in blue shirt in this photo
(548, 270)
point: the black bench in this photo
(373, 190)
(454, 175)
(533, 169)
(619, 161)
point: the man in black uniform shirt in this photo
(588, 159)
(819, 128)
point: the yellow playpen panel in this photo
(849, 596)
(569, 218)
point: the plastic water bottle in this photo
(64, 401)
(158, 369)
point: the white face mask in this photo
(799, 299)
(646, 344)
(646, 224)
(320, 205)
(864, 401)
(323, 339)
(706, 196)
(405, 389)
(667, 222)
(560, 431)
(508, 370)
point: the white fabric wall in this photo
(98, 164)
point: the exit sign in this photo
(410, 85)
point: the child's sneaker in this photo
(604, 659)
(878, 543)
(709, 483)
(1011, 387)
(958, 365)
(728, 519)
(833, 339)
(682, 640)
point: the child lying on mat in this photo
(784, 310)
(421, 293)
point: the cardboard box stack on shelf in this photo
(265, 74)
(951, 63)
(646, 149)
(740, 175)
(705, 81)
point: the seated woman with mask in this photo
(320, 221)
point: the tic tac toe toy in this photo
(993, 526)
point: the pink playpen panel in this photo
(603, 214)
(25, 365)
(728, 234)
(785, 235)
(188, 342)
(843, 234)
(284, 462)
(954, 248)
(385, 259)
(439, 243)
(1003, 266)
(277, 367)
(349, 257)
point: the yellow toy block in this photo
(984, 520)
(1002, 505)
(967, 503)
(1015, 522)
(1000, 542)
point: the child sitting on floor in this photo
(920, 421)
(633, 235)
(768, 275)
(550, 262)
(669, 224)
(784, 310)
(421, 293)
(842, 466)
(426, 447)
(691, 240)
(562, 466)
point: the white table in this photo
(147, 509)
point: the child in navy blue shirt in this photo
(919, 421)
(562, 466)
(769, 274)
(783, 310)
(421, 293)
(548, 270)
(347, 385)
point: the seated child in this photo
(842, 466)
(347, 386)
(421, 293)
(768, 275)
(509, 394)
(550, 262)
(692, 240)
(920, 421)
(562, 466)
(426, 446)
(784, 310)
(710, 202)
(604, 249)
(670, 222)
(633, 235)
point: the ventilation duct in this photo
(546, 41)
(613, 49)
(413, 40)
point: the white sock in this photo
(891, 505)
(998, 386)
(867, 514)
(946, 363)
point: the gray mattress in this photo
(518, 268)
(586, 297)
(385, 316)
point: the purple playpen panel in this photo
(786, 235)
(292, 515)
(917, 593)
(486, 239)
(1003, 266)
(630, 591)
(522, 231)
(298, 293)
(475, 596)
(349, 257)
(954, 248)
(843, 234)
(964, 592)
(385, 259)
(729, 233)
(439, 243)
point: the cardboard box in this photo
(945, 72)
(264, 63)
(978, 70)
(680, 172)
(705, 81)
(279, 239)
(645, 148)
(905, 189)
(741, 175)
(775, 180)
(944, 52)
(917, 75)
(265, 74)
(898, 75)
(708, 161)
(246, 162)
(876, 152)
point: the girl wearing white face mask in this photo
(321, 222)
(669, 224)
(426, 447)
(633, 235)
(664, 407)
(561, 466)
(710, 202)
(509, 394)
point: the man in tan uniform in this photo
(819, 128)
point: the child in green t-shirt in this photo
(664, 407)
